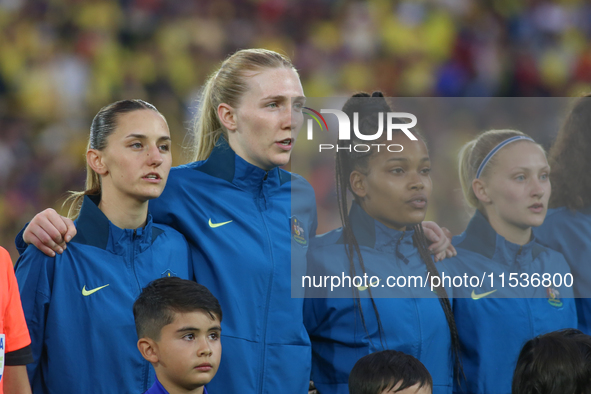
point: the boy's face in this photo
(189, 350)
(410, 390)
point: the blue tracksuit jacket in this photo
(78, 305)
(569, 232)
(157, 388)
(415, 324)
(494, 328)
(237, 218)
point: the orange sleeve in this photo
(14, 326)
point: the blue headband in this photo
(496, 149)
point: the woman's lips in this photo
(418, 202)
(152, 177)
(536, 208)
(285, 144)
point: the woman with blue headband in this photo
(505, 176)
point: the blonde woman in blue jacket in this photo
(505, 176)
(234, 206)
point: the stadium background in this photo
(61, 60)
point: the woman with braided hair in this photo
(381, 237)
(505, 176)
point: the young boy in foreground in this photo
(178, 326)
(389, 371)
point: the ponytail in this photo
(351, 244)
(208, 128)
(103, 125)
(227, 85)
(92, 188)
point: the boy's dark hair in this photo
(376, 372)
(555, 363)
(156, 305)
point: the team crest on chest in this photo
(297, 231)
(553, 297)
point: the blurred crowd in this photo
(62, 60)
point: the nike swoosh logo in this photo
(363, 288)
(89, 292)
(214, 225)
(479, 296)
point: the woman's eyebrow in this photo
(143, 136)
(406, 159)
(521, 168)
(133, 135)
(276, 97)
(284, 97)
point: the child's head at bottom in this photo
(389, 371)
(178, 326)
(558, 362)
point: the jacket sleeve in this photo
(20, 243)
(34, 273)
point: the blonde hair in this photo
(103, 125)
(227, 85)
(471, 156)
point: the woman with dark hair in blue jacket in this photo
(567, 227)
(505, 176)
(382, 237)
(78, 303)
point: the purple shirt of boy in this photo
(158, 389)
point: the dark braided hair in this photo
(346, 162)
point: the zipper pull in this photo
(398, 254)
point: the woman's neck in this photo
(512, 233)
(124, 212)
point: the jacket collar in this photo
(225, 164)
(481, 238)
(157, 388)
(95, 229)
(373, 234)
